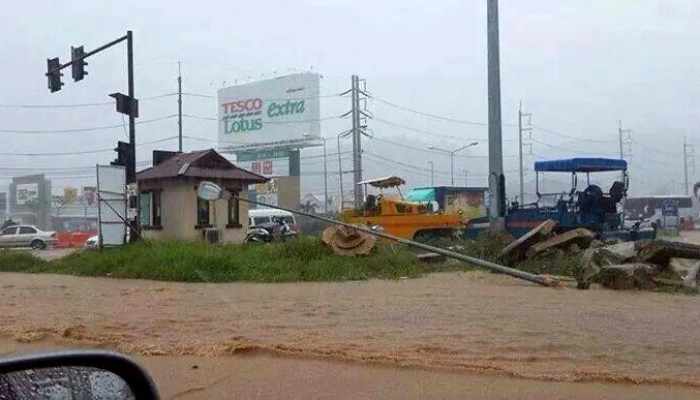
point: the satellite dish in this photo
(209, 191)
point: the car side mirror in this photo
(75, 375)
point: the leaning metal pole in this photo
(539, 279)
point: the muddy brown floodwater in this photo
(474, 323)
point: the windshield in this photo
(419, 154)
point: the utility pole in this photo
(688, 154)
(432, 173)
(466, 178)
(452, 168)
(325, 179)
(521, 114)
(496, 177)
(179, 106)
(340, 169)
(623, 140)
(340, 177)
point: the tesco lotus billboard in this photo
(284, 109)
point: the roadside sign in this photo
(669, 209)
(112, 207)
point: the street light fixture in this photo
(452, 156)
(343, 134)
(325, 174)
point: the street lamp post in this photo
(432, 173)
(452, 156)
(325, 179)
(340, 168)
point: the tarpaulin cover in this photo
(421, 195)
(581, 165)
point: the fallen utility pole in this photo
(539, 279)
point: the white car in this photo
(92, 242)
(26, 236)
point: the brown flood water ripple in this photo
(475, 322)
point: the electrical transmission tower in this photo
(625, 138)
(522, 129)
(359, 117)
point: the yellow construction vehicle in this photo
(399, 217)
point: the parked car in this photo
(26, 236)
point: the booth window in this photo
(156, 208)
(233, 212)
(145, 208)
(202, 213)
(150, 209)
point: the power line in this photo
(556, 133)
(79, 105)
(427, 150)
(435, 116)
(74, 153)
(208, 96)
(425, 171)
(425, 132)
(569, 149)
(409, 166)
(268, 122)
(656, 150)
(425, 114)
(76, 130)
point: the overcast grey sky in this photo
(578, 66)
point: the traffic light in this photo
(54, 74)
(123, 154)
(125, 157)
(126, 105)
(77, 64)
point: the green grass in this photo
(305, 259)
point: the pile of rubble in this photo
(542, 239)
(644, 264)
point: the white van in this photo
(261, 216)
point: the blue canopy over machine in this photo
(581, 165)
(593, 208)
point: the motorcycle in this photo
(278, 230)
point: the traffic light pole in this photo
(131, 167)
(54, 74)
(125, 104)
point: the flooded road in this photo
(273, 377)
(474, 324)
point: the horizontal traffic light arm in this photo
(88, 54)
